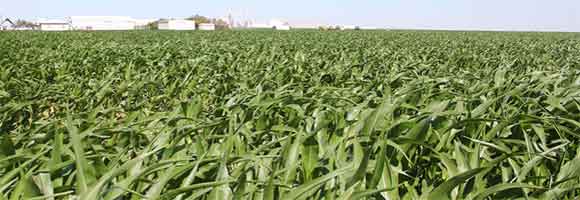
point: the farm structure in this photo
(175, 24)
(7, 24)
(279, 25)
(282, 27)
(206, 26)
(54, 25)
(102, 23)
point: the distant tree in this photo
(24, 23)
(329, 28)
(152, 25)
(199, 19)
(219, 23)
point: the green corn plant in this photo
(395, 115)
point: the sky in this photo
(515, 15)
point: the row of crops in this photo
(289, 115)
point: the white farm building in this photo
(279, 25)
(368, 28)
(102, 23)
(143, 23)
(54, 25)
(273, 24)
(174, 24)
(7, 24)
(348, 27)
(206, 26)
(282, 27)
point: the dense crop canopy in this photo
(293, 115)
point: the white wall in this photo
(163, 25)
(283, 28)
(6, 25)
(207, 27)
(177, 25)
(349, 27)
(102, 23)
(54, 27)
(368, 28)
(144, 22)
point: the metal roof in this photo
(9, 21)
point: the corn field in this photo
(289, 115)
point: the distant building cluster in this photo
(347, 27)
(105, 23)
(111, 23)
(275, 24)
(7, 25)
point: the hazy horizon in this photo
(514, 15)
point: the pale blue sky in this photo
(546, 15)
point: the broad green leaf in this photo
(481, 195)
(443, 191)
(302, 191)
